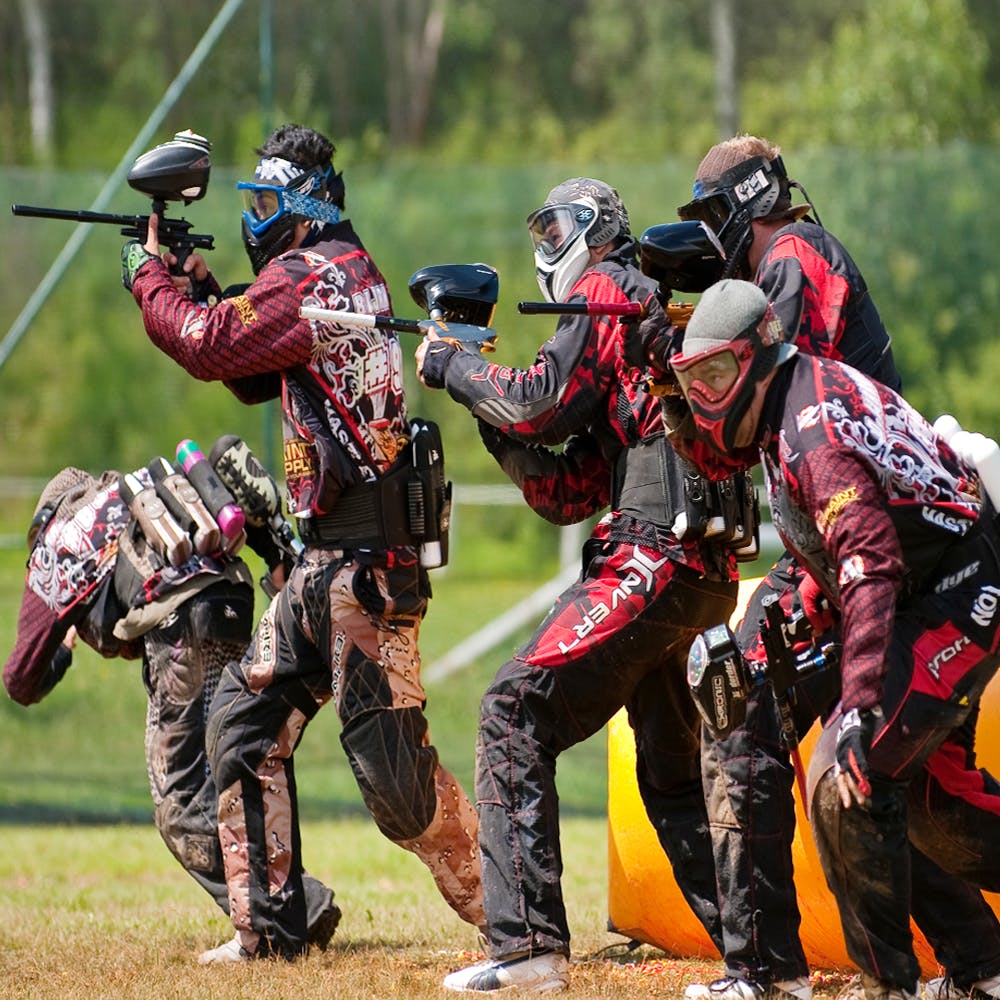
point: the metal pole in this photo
(266, 107)
(82, 231)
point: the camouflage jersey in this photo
(341, 388)
(866, 496)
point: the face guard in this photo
(272, 210)
(559, 235)
(748, 191)
(725, 386)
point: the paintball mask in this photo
(281, 194)
(578, 214)
(733, 343)
(729, 203)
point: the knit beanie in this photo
(728, 309)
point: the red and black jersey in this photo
(579, 379)
(866, 496)
(822, 300)
(345, 417)
(580, 389)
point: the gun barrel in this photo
(367, 321)
(77, 215)
(580, 308)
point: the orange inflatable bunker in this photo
(644, 902)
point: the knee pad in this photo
(394, 769)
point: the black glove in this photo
(435, 363)
(854, 742)
(134, 257)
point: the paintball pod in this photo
(177, 170)
(429, 495)
(459, 299)
(256, 492)
(721, 679)
(681, 256)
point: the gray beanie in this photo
(612, 216)
(728, 309)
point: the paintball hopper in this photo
(681, 256)
(174, 171)
(457, 293)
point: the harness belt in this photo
(409, 506)
(367, 516)
(647, 484)
(653, 483)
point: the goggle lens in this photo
(711, 376)
(714, 211)
(262, 204)
(553, 226)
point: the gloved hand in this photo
(432, 356)
(650, 344)
(854, 743)
(815, 606)
(134, 258)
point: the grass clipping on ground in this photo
(92, 912)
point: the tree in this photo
(412, 32)
(40, 91)
(905, 74)
(727, 98)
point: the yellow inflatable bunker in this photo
(644, 902)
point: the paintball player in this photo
(743, 193)
(93, 574)
(346, 624)
(898, 536)
(620, 634)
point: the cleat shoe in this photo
(321, 929)
(744, 989)
(865, 987)
(225, 954)
(542, 972)
(945, 989)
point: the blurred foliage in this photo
(515, 81)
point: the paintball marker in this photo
(677, 312)
(173, 171)
(721, 679)
(459, 299)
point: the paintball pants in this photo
(343, 627)
(938, 664)
(619, 636)
(748, 779)
(183, 660)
